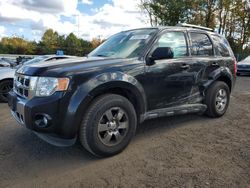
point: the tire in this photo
(108, 125)
(5, 88)
(217, 99)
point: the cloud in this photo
(42, 6)
(112, 17)
(87, 2)
(38, 25)
(106, 24)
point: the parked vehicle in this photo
(243, 67)
(134, 76)
(22, 59)
(7, 73)
(4, 62)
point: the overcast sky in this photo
(30, 18)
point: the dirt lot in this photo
(184, 151)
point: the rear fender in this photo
(222, 73)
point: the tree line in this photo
(50, 42)
(230, 18)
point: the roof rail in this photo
(194, 26)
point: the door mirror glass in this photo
(162, 53)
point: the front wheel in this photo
(5, 88)
(217, 99)
(108, 125)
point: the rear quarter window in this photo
(201, 44)
(221, 46)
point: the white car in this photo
(7, 73)
(4, 62)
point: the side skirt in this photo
(178, 110)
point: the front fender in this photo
(84, 94)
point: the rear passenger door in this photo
(223, 51)
(202, 52)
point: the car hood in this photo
(244, 62)
(70, 66)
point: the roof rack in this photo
(194, 26)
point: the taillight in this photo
(235, 67)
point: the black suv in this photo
(134, 76)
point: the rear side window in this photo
(221, 46)
(201, 45)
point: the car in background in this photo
(5, 62)
(243, 67)
(7, 73)
(22, 59)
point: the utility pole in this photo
(78, 24)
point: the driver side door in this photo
(169, 82)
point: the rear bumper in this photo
(31, 114)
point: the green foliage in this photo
(17, 45)
(72, 45)
(169, 12)
(50, 42)
(229, 17)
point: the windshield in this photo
(126, 44)
(35, 60)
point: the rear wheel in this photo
(217, 99)
(108, 125)
(5, 88)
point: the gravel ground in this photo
(183, 151)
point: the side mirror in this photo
(160, 53)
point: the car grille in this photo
(21, 85)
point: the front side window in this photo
(201, 45)
(174, 40)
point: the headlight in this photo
(46, 86)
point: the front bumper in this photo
(27, 114)
(243, 70)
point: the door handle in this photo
(185, 66)
(215, 64)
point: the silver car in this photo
(243, 67)
(7, 73)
